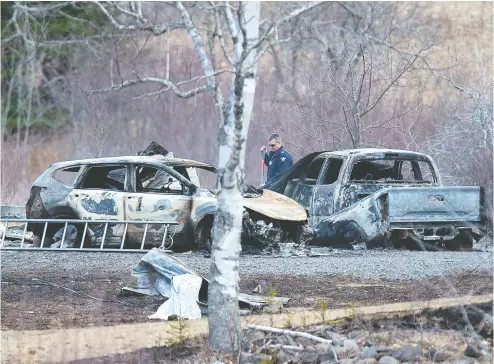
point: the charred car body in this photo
(149, 188)
(383, 197)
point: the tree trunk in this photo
(224, 318)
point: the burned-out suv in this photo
(148, 188)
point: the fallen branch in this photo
(286, 347)
(265, 346)
(289, 332)
(293, 333)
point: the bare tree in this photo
(359, 59)
(461, 140)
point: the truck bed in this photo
(434, 204)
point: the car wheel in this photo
(204, 239)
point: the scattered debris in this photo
(183, 300)
(12, 212)
(434, 335)
(70, 239)
(156, 273)
(15, 234)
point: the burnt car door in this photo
(158, 193)
(100, 192)
(100, 195)
(303, 191)
(325, 190)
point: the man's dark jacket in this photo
(277, 162)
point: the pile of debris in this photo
(158, 273)
(270, 237)
(372, 341)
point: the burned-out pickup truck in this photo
(392, 198)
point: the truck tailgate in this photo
(434, 204)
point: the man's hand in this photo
(263, 148)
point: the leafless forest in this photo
(404, 75)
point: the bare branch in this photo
(221, 38)
(164, 82)
(383, 92)
(130, 13)
(43, 9)
(155, 29)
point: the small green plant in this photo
(289, 316)
(273, 359)
(178, 331)
(323, 306)
(272, 294)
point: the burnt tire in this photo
(382, 242)
(462, 242)
(415, 243)
(203, 236)
(52, 230)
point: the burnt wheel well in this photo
(203, 232)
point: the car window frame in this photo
(76, 179)
(322, 174)
(190, 187)
(87, 167)
(430, 162)
(303, 179)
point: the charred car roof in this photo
(154, 159)
(376, 153)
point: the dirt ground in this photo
(65, 301)
(442, 328)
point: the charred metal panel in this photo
(322, 204)
(276, 206)
(353, 192)
(203, 203)
(361, 222)
(303, 195)
(103, 206)
(423, 204)
(160, 205)
(97, 204)
(155, 206)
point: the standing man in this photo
(278, 160)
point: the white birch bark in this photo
(224, 319)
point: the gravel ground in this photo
(53, 290)
(382, 264)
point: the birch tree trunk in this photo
(224, 319)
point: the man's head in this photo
(274, 142)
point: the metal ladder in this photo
(167, 233)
